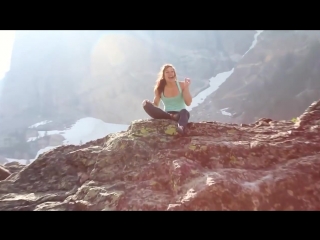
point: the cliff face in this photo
(46, 67)
(268, 165)
(278, 78)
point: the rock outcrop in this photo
(268, 165)
(14, 167)
(4, 173)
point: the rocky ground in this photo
(267, 165)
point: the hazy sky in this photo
(6, 44)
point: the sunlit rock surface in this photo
(267, 165)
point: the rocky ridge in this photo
(266, 165)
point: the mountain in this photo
(278, 78)
(63, 76)
(66, 77)
(92, 73)
(266, 165)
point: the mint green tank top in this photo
(173, 103)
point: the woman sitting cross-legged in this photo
(174, 94)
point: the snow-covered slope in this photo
(84, 130)
(254, 42)
(88, 129)
(215, 82)
(220, 78)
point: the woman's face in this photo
(169, 74)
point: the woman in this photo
(174, 94)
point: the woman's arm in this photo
(156, 98)
(186, 93)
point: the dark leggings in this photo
(158, 113)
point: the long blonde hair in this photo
(161, 82)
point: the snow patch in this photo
(255, 40)
(215, 82)
(51, 132)
(30, 139)
(88, 129)
(82, 131)
(40, 123)
(224, 112)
